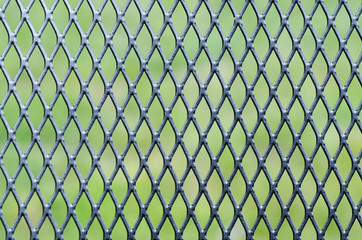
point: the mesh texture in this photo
(186, 119)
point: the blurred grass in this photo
(61, 155)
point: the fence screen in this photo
(180, 119)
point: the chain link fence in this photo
(180, 119)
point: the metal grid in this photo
(332, 140)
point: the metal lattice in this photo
(186, 119)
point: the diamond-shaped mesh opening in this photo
(180, 119)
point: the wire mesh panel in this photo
(180, 119)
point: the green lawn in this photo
(63, 160)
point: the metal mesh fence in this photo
(180, 119)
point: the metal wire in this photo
(207, 118)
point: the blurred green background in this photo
(107, 90)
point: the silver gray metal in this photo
(131, 138)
